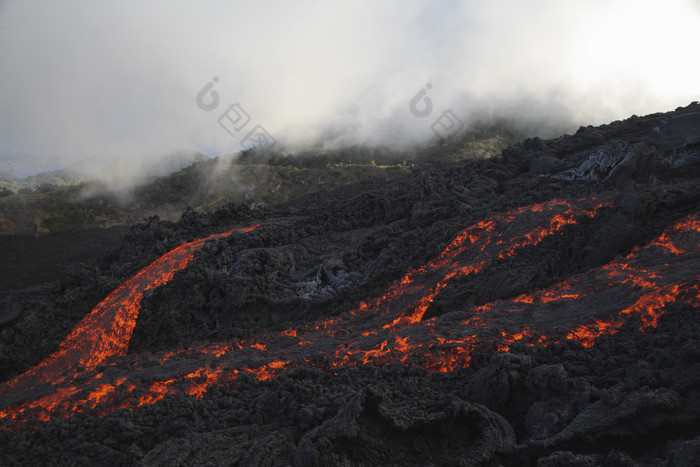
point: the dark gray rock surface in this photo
(633, 398)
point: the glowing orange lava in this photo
(637, 288)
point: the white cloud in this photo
(118, 79)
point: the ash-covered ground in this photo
(537, 308)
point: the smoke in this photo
(91, 83)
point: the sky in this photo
(85, 83)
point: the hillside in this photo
(55, 202)
(40, 217)
(534, 307)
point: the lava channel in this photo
(636, 289)
(106, 331)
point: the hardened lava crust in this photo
(535, 308)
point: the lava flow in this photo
(107, 329)
(636, 289)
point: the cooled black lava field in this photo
(536, 308)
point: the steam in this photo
(117, 81)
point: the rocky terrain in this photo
(533, 308)
(63, 201)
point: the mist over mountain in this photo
(118, 81)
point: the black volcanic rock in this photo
(632, 398)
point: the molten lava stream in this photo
(106, 331)
(473, 249)
(390, 329)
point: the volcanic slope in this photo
(534, 308)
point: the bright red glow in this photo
(637, 289)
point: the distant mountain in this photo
(55, 177)
(64, 200)
(173, 163)
(10, 178)
(17, 164)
